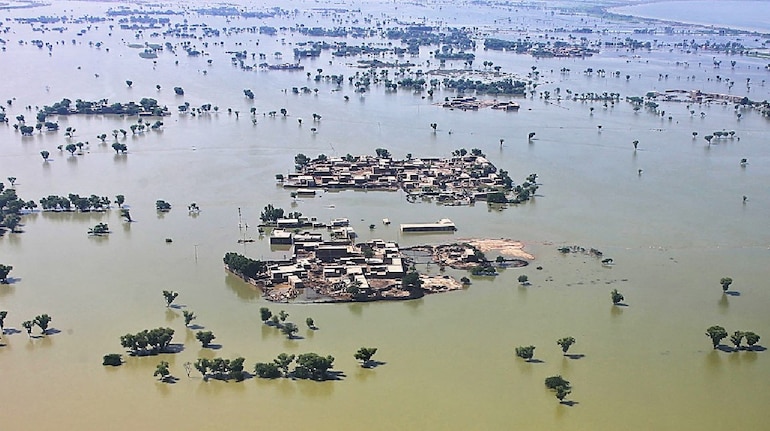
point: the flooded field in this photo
(670, 213)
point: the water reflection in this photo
(269, 331)
(749, 356)
(171, 315)
(316, 389)
(414, 305)
(356, 308)
(714, 360)
(6, 289)
(164, 389)
(723, 303)
(242, 289)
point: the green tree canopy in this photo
(717, 334)
(364, 354)
(313, 366)
(525, 352)
(565, 343)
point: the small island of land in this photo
(316, 270)
(462, 179)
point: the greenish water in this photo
(449, 359)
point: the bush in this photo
(113, 359)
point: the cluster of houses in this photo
(334, 269)
(471, 103)
(306, 266)
(459, 180)
(695, 96)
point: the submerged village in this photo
(308, 267)
(565, 243)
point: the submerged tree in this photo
(42, 322)
(170, 296)
(162, 206)
(282, 362)
(313, 366)
(205, 337)
(364, 354)
(559, 385)
(725, 282)
(161, 371)
(3, 315)
(717, 334)
(113, 359)
(189, 316)
(265, 314)
(289, 329)
(565, 343)
(751, 338)
(525, 352)
(4, 271)
(616, 297)
(737, 338)
(267, 370)
(27, 324)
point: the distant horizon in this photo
(720, 14)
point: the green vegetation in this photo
(565, 343)
(289, 329)
(616, 297)
(162, 206)
(523, 279)
(169, 296)
(484, 270)
(310, 323)
(205, 337)
(189, 316)
(148, 342)
(313, 366)
(525, 352)
(3, 315)
(11, 207)
(245, 266)
(283, 361)
(4, 271)
(300, 161)
(411, 281)
(99, 229)
(267, 370)
(736, 339)
(112, 359)
(42, 322)
(264, 314)
(271, 214)
(717, 334)
(162, 371)
(751, 338)
(220, 369)
(725, 282)
(120, 148)
(560, 386)
(364, 354)
(27, 325)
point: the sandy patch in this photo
(507, 247)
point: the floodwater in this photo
(740, 14)
(449, 361)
